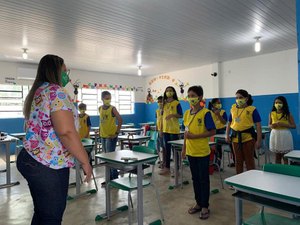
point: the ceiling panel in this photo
(107, 35)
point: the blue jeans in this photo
(200, 175)
(169, 137)
(48, 188)
(109, 145)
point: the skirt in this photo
(281, 141)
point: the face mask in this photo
(278, 106)
(218, 106)
(160, 105)
(64, 78)
(193, 101)
(169, 94)
(82, 111)
(107, 102)
(240, 102)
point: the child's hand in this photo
(188, 135)
(169, 117)
(228, 139)
(183, 153)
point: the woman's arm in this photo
(259, 135)
(63, 124)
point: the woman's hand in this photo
(183, 153)
(87, 168)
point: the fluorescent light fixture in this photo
(139, 58)
(25, 78)
(140, 70)
(257, 45)
(25, 54)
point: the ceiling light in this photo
(139, 58)
(25, 54)
(139, 70)
(257, 45)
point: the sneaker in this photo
(165, 171)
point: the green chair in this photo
(129, 183)
(89, 145)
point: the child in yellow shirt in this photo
(84, 122)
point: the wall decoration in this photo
(149, 98)
(111, 87)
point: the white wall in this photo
(12, 69)
(261, 75)
(193, 76)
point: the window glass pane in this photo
(10, 87)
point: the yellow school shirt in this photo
(217, 121)
(276, 117)
(170, 126)
(242, 119)
(195, 124)
(107, 125)
(158, 119)
(83, 127)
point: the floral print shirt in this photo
(41, 140)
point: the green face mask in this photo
(278, 106)
(218, 106)
(169, 94)
(193, 101)
(65, 79)
(240, 102)
(107, 102)
(82, 111)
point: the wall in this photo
(264, 76)
(12, 69)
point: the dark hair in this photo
(160, 98)
(245, 94)
(197, 89)
(49, 70)
(174, 96)
(285, 107)
(212, 102)
(82, 106)
(105, 93)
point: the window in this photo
(12, 99)
(122, 100)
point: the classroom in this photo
(149, 112)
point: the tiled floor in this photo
(16, 204)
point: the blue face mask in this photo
(65, 79)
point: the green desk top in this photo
(116, 157)
(275, 186)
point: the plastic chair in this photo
(89, 150)
(129, 183)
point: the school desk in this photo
(6, 157)
(293, 156)
(265, 188)
(115, 160)
(177, 148)
(132, 139)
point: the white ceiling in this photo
(106, 35)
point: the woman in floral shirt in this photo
(51, 142)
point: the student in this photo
(160, 144)
(172, 111)
(52, 142)
(108, 129)
(220, 119)
(280, 121)
(84, 122)
(243, 117)
(199, 126)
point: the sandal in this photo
(194, 209)
(204, 215)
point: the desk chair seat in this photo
(129, 183)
